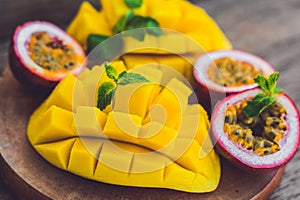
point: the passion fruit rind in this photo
(247, 159)
(211, 89)
(25, 77)
(27, 70)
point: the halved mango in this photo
(128, 147)
(89, 121)
(88, 21)
(54, 124)
(57, 153)
(87, 150)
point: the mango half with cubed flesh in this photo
(150, 136)
(177, 15)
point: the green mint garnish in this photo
(258, 104)
(268, 85)
(93, 40)
(111, 72)
(261, 101)
(128, 78)
(131, 21)
(106, 91)
(133, 3)
(121, 24)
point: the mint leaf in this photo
(107, 90)
(263, 83)
(93, 40)
(106, 93)
(261, 101)
(131, 21)
(257, 105)
(130, 77)
(111, 72)
(268, 85)
(120, 26)
(133, 3)
(272, 81)
(153, 27)
(121, 74)
(277, 90)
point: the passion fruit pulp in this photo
(266, 143)
(224, 72)
(41, 54)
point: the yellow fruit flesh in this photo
(123, 147)
(197, 31)
(177, 15)
(88, 21)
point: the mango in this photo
(115, 10)
(160, 10)
(88, 21)
(54, 124)
(177, 15)
(89, 121)
(86, 149)
(149, 137)
(181, 64)
(57, 153)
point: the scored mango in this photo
(149, 137)
(177, 15)
(187, 30)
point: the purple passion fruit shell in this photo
(244, 158)
(207, 88)
(32, 73)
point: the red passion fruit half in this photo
(41, 54)
(257, 143)
(225, 72)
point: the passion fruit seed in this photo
(51, 53)
(260, 134)
(229, 73)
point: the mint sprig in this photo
(133, 3)
(131, 21)
(93, 40)
(128, 78)
(107, 90)
(268, 85)
(263, 100)
(106, 93)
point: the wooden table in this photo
(267, 28)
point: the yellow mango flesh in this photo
(128, 146)
(88, 21)
(89, 121)
(197, 32)
(49, 126)
(177, 15)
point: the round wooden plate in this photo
(29, 176)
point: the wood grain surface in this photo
(267, 28)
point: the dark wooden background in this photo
(270, 29)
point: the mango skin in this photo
(99, 145)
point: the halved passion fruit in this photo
(226, 72)
(41, 54)
(266, 141)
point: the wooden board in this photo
(29, 176)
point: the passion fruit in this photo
(225, 72)
(260, 143)
(41, 54)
